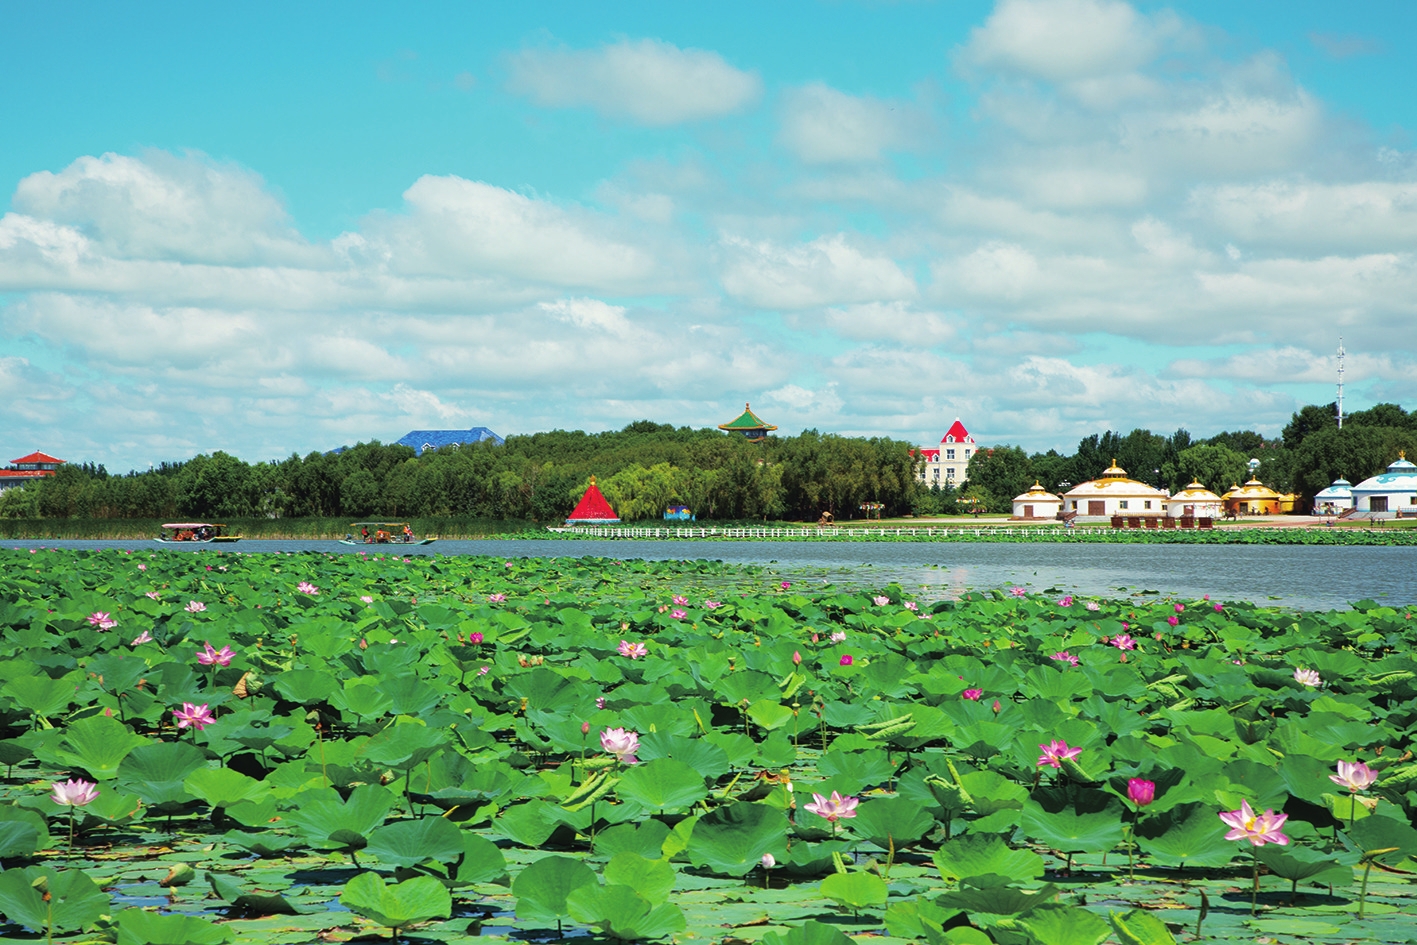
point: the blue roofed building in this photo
(420, 440)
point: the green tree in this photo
(1215, 467)
(1000, 472)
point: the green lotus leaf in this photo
(984, 855)
(1188, 835)
(410, 842)
(808, 933)
(28, 818)
(888, 821)
(402, 904)
(250, 902)
(1068, 831)
(1140, 927)
(1065, 925)
(998, 900)
(140, 927)
(42, 695)
(305, 686)
(1295, 863)
(42, 898)
(98, 745)
(662, 785)
(223, 787)
(732, 839)
(651, 878)
(541, 889)
(646, 839)
(855, 890)
(331, 823)
(157, 772)
(623, 912)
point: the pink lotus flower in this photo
(484, 670)
(1307, 677)
(1354, 775)
(1018, 592)
(621, 743)
(1219, 608)
(633, 650)
(1065, 657)
(195, 607)
(796, 658)
(1180, 608)
(880, 601)
(838, 637)
(1259, 829)
(213, 657)
(507, 564)
(305, 587)
(1124, 642)
(911, 605)
(475, 637)
(975, 694)
(769, 861)
(102, 620)
(1055, 753)
(153, 595)
(786, 584)
(1141, 792)
(496, 598)
(74, 793)
(1065, 601)
(142, 638)
(833, 808)
(681, 600)
(712, 604)
(142, 567)
(366, 598)
(600, 702)
(678, 614)
(846, 659)
(997, 706)
(1093, 605)
(1173, 620)
(197, 716)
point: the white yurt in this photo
(1334, 500)
(1113, 493)
(1388, 493)
(1195, 501)
(1037, 502)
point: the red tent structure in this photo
(592, 509)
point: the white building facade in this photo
(948, 463)
(1388, 494)
(1113, 493)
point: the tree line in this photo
(647, 467)
(642, 469)
(1307, 457)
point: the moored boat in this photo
(184, 532)
(383, 533)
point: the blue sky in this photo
(265, 229)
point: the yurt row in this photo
(1113, 493)
(1387, 494)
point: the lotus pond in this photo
(210, 747)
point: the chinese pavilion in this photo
(749, 425)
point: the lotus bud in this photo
(585, 728)
(179, 875)
(796, 658)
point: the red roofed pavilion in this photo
(592, 509)
(29, 468)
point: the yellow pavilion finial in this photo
(592, 478)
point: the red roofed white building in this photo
(29, 468)
(948, 463)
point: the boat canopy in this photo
(192, 525)
(378, 524)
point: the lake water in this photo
(1305, 577)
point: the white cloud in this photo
(162, 206)
(895, 321)
(822, 125)
(1361, 216)
(1063, 40)
(648, 81)
(591, 314)
(826, 271)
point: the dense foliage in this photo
(1311, 454)
(642, 470)
(687, 750)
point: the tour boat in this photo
(383, 533)
(194, 531)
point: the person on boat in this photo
(381, 536)
(364, 531)
(407, 533)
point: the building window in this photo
(1075, 503)
(966, 454)
(1146, 504)
(937, 475)
(1122, 504)
(950, 473)
(949, 454)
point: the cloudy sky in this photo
(271, 228)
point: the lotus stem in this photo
(1255, 887)
(1363, 891)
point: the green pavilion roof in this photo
(747, 421)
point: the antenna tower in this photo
(1340, 382)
